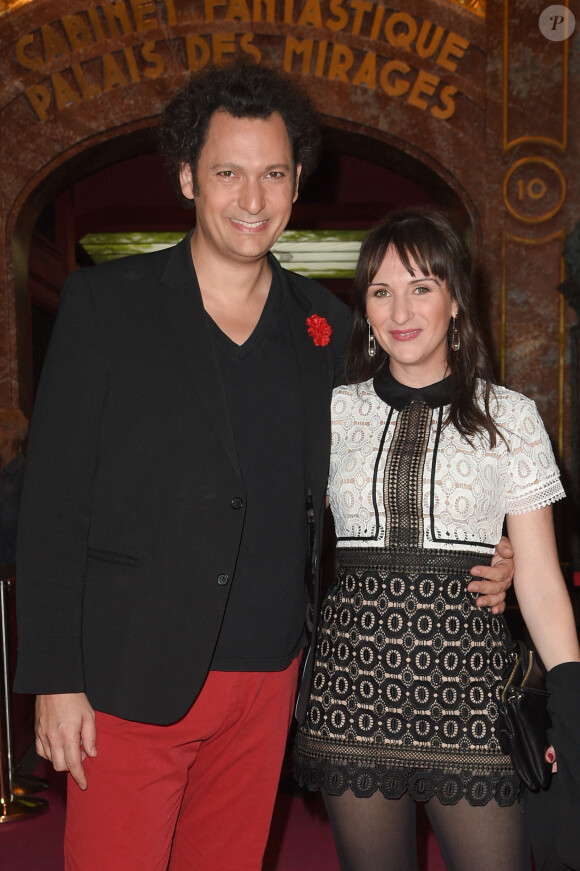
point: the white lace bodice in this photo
(465, 492)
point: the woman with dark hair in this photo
(428, 457)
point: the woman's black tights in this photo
(379, 834)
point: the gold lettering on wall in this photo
(373, 60)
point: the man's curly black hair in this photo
(245, 90)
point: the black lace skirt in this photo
(406, 683)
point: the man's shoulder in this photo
(128, 286)
(124, 270)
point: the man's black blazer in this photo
(130, 520)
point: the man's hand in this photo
(497, 578)
(65, 732)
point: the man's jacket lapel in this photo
(316, 378)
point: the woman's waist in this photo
(409, 558)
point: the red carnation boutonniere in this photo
(319, 329)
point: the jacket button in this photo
(237, 502)
(222, 580)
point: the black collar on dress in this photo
(399, 395)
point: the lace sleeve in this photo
(532, 478)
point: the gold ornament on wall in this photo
(476, 6)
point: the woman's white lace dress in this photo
(406, 682)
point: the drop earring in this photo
(455, 337)
(372, 344)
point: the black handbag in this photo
(523, 717)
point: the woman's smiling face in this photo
(409, 314)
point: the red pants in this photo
(197, 794)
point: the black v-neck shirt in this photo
(263, 627)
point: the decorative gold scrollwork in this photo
(476, 6)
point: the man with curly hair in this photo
(180, 437)
(174, 496)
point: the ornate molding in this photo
(11, 5)
(475, 6)
(525, 100)
(511, 242)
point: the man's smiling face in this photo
(244, 188)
